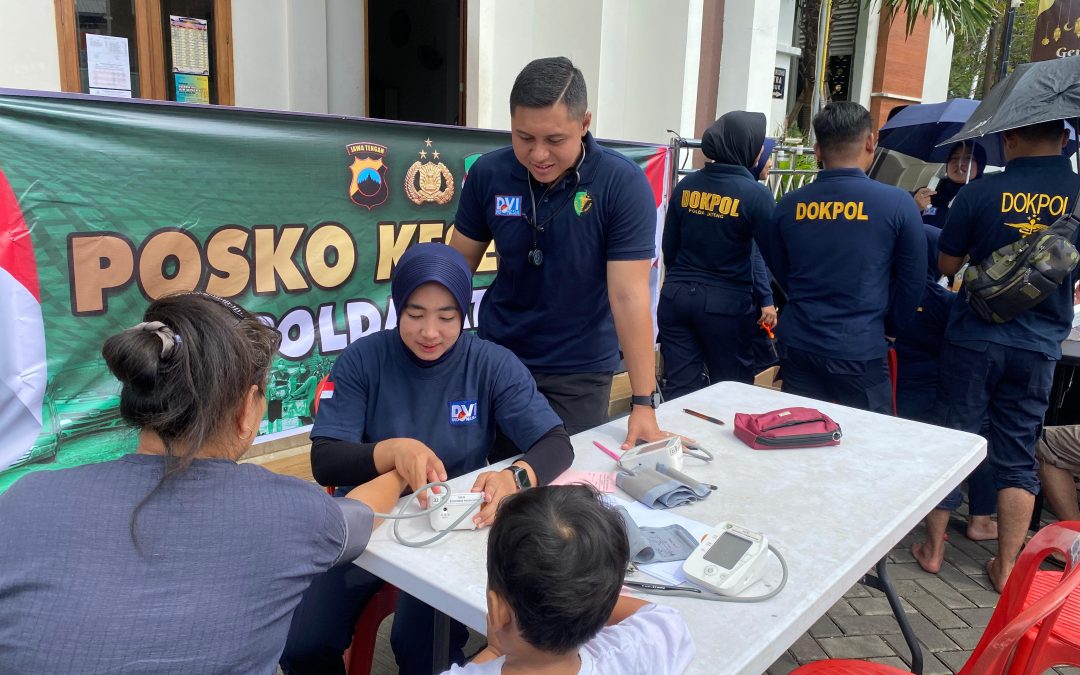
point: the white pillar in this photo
(28, 46)
(748, 58)
(345, 68)
(306, 39)
(938, 64)
(260, 54)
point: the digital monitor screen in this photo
(727, 550)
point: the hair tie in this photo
(169, 339)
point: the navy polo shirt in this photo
(556, 317)
(851, 253)
(997, 210)
(452, 407)
(708, 232)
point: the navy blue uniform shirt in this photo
(556, 317)
(851, 254)
(452, 407)
(708, 231)
(995, 211)
(763, 294)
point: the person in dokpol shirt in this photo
(575, 226)
(851, 254)
(966, 164)
(707, 311)
(1002, 372)
(761, 345)
(918, 347)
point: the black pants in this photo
(859, 384)
(322, 626)
(579, 399)
(704, 328)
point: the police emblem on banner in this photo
(368, 186)
(429, 181)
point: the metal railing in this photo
(780, 180)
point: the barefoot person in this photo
(998, 375)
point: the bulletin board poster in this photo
(108, 65)
(192, 88)
(107, 204)
(190, 45)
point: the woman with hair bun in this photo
(174, 559)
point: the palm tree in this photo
(962, 18)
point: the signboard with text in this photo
(1057, 30)
(108, 204)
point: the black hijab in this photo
(736, 138)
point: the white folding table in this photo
(832, 512)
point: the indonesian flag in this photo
(22, 340)
(658, 171)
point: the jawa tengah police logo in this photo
(368, 185)
(429, 181)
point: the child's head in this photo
(556, 560)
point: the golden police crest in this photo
(429, 180)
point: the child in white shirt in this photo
(556, 560)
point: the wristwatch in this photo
(653, 400)
(521, 476)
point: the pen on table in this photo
(607, 452)
(707, 418)
(661, 589)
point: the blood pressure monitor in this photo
(452, 513)
(729, 559)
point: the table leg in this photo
(1063, 380)
(440, 662)
(881, 582)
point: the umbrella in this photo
(1035, 92)
(918, 130)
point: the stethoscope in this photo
(536, 255)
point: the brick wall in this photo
(900, 66)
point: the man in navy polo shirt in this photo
(851, 254)
(574, 225)
(1004, 371)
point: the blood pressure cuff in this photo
(660, 488)
(656, 544)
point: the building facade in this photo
(650, 66)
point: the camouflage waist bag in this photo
(1019, 276)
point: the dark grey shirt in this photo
(229, 549)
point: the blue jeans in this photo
(916, 399)
(1002, 392)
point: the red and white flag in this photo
(22, 342)
(658, 171)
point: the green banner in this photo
(299, 218)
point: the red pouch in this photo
(787, 428)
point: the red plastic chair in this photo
(1034, 627)
(361, 653)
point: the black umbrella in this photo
(1035, 92)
